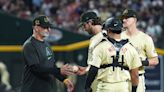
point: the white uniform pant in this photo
(141, 86)
(94, 85)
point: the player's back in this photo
(105, 53)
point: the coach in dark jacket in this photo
(39, 61)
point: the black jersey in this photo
(39, 66)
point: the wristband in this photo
(134, 88)
(145, 62)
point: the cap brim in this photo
(123, 16)
(47, 25)
(127, 16)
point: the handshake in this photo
(68, 69)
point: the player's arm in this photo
(90, 78)
(152, 56)
(82, 70)
(134, 78)
(153, 61)
(94, 66)
(150, 62)
(134, 65)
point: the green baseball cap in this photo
(42, 21)
(86, 16)
(129, 13)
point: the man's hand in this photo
(69, 85)
(81, 71)
(66, 70)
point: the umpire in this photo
(39, 61)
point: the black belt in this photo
(111, 65)
(141, 74)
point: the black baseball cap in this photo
(42, 21)
(129, 13)
(86, 16)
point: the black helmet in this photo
(113, 24)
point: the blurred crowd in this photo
(66, 13)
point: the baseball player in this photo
(142, 42)
(114, 62)
(91, 23)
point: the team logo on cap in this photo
(46, 19)
(125, 12)
(37, 22)
(115, 24)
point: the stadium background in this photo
(69, 43)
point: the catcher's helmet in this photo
(113, 24)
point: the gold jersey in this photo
(143, 44)
(94, 41)
(104, 53)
